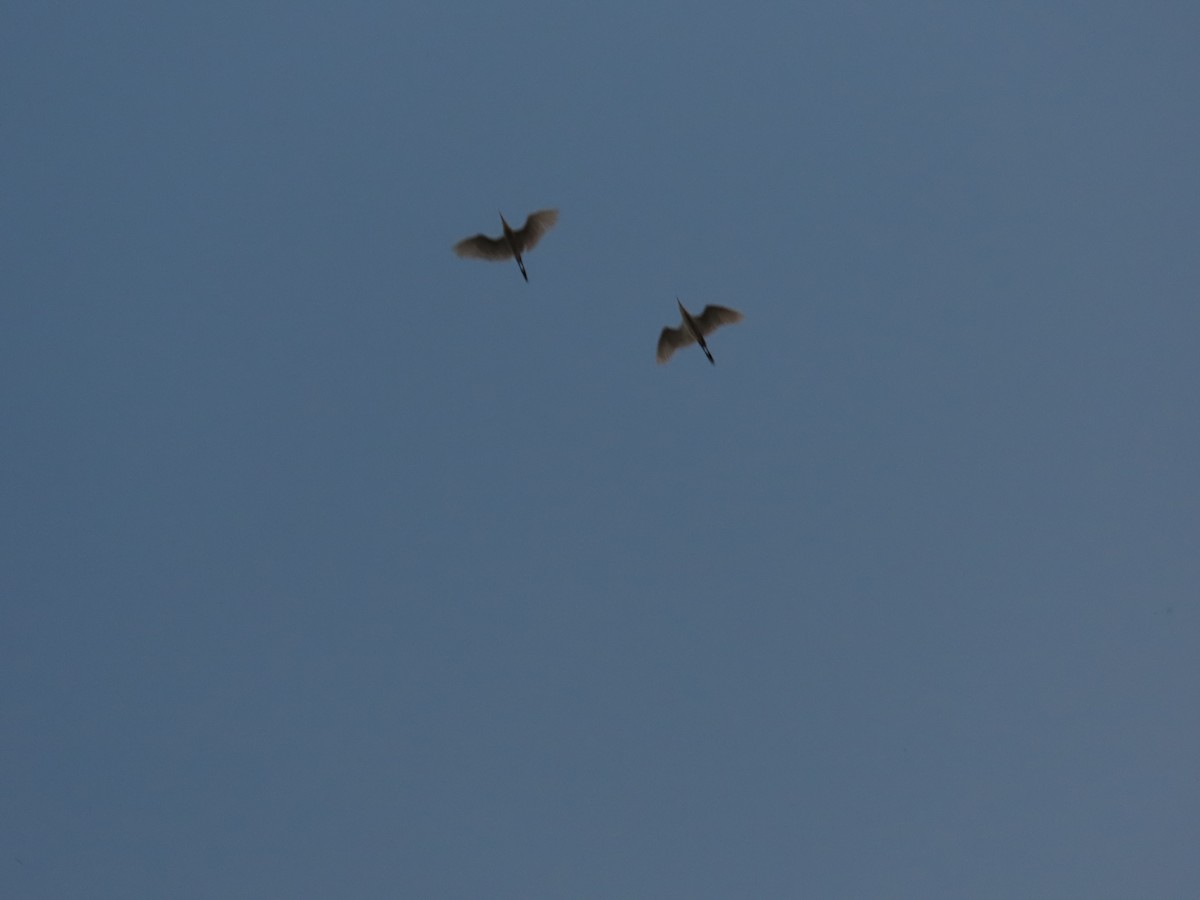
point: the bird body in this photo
(512, 243)
(693, 329)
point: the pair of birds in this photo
(517, 241)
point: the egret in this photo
(693, 330)
(512, 242)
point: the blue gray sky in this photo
(335, 565)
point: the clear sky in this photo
(333, 565)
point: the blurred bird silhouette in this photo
(511, 243)
(693, 330)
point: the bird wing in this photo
(537, 224)
(714, 317)
(671, 340)
(483, 247)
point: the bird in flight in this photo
(693, 330)
(512, 242)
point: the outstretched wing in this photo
(483, 247)
(714, 317)
(537, 224)
(671, 340)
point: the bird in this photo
(511, 243)
(693, 330)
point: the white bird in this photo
(693, 330)
(511, 243)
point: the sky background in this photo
(332, 564)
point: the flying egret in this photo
(693, 330)
(511, 243)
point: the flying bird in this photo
(693, 330)
(511, 243)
